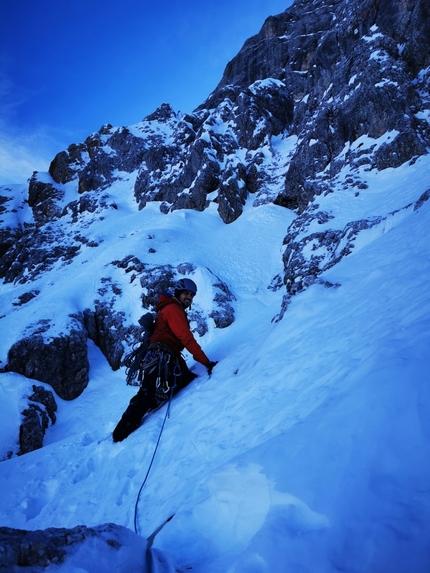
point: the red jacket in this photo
(172, 328)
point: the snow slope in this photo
(307, 451)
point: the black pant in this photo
(150, 398)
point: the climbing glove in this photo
(210, 367)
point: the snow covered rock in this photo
(16, 217)
(43, 198)
(309, 252)
(93, 162)
(39, 414)
(112, 547)
(60, 361)
(106, 327)
(155, 279)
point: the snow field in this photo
(308, 448)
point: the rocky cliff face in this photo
(327, 92)
(328, 72)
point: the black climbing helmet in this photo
(186, 284)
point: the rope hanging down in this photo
(153, 458)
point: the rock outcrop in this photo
(35, 551)
(60, 361)
(39, 414)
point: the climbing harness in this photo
(165, 360)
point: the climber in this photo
(165, 370)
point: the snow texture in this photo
(308, 448)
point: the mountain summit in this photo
(296, 197)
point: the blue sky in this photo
(66, 68)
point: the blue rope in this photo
(153, 458)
